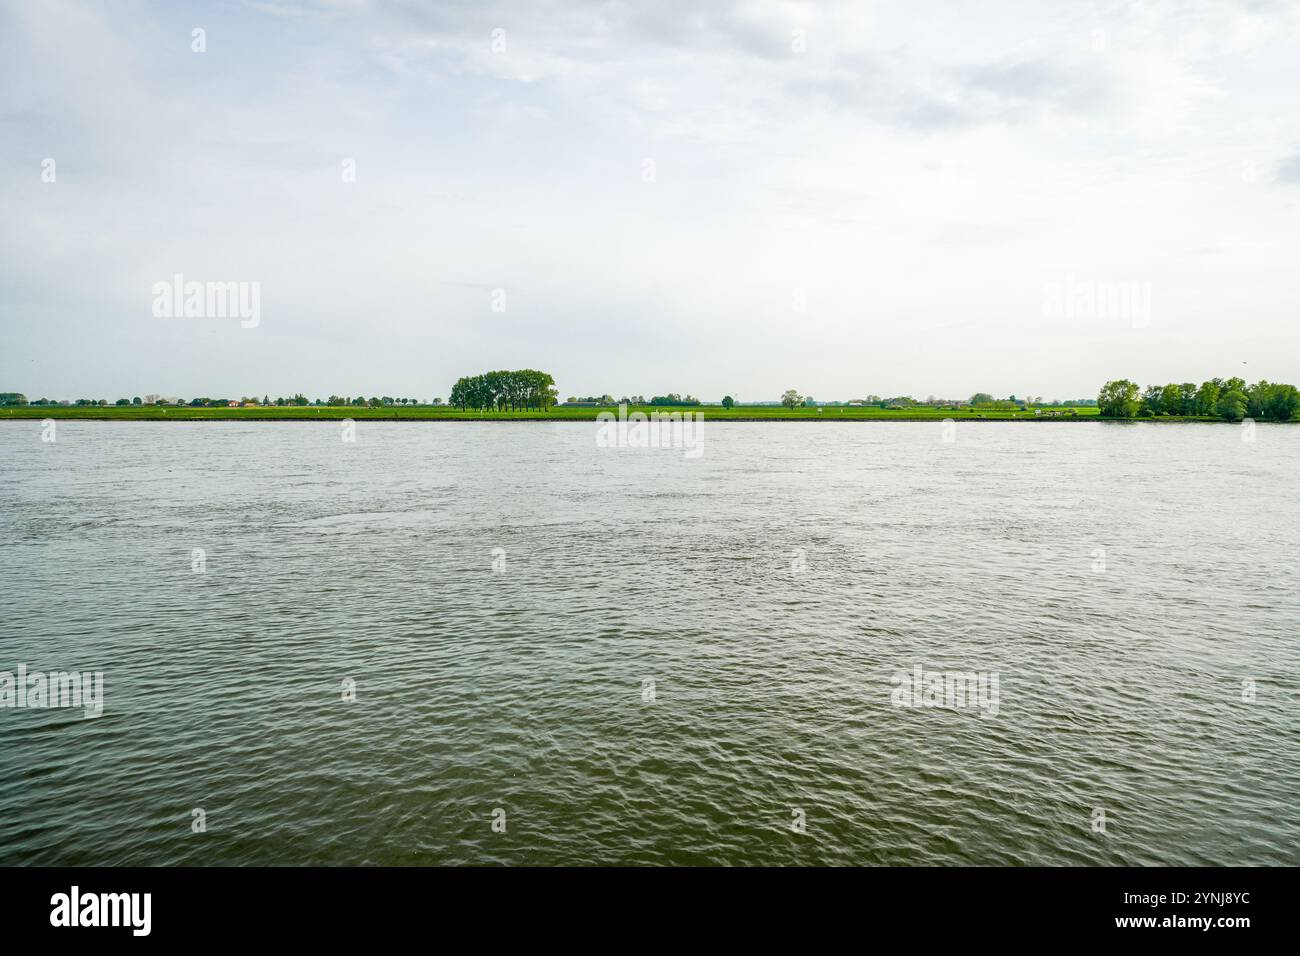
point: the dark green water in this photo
(770, 590)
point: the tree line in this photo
(672, 398)
(1230, 399)
(504, 391)
(248, 401)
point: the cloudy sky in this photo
(739, 197)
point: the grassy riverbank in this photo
(442, 413)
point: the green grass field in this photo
(443, 413)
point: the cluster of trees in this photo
(985, 400)
(505, 391)
(362, 402)
(672, 398)
(298, 399)
(792, 399)
(1230, 399)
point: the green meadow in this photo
(445, 413)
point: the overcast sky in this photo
(844, 198)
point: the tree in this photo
(728, 401)
(1283, 403)
(791, 399)
(1152, 400)
(1171, 400)
(1118, 399)
(1207, 397)
(1257, 399)
(1232, 405)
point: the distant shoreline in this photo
(432, 414)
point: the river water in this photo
(501, 643)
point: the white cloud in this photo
(917, 176)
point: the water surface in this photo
(1124, 582)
